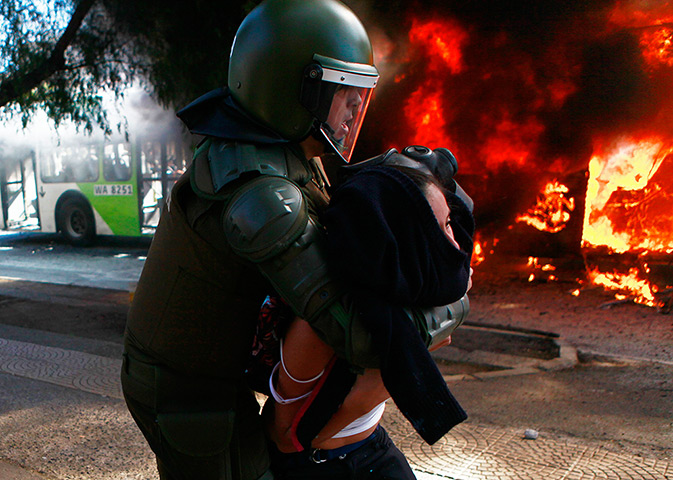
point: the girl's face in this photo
(440, 208)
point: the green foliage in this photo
(176, 49)
(58, 56)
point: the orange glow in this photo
(639, 14)
(547, 267)
(657, 46)
(511, 142)
(651, 19)
(628, 208)
(441, 39)
(425, 106)
(560, 90)
(552, 210)
(478, 254)
(505, 111)
(482, 248)
(630, 190)
(430, 109)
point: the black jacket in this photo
(386, 243)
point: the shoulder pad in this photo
(229, 160)
(264, 217)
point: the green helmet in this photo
(290, 60)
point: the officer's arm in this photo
(267, 222)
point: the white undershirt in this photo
(359, 425)
(365, 422)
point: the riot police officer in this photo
(240, 223)
(243, 222)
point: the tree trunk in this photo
(23, 82)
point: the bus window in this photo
(70, 164)
(117, 163)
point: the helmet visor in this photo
(345, 118)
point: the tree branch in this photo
(21, 83)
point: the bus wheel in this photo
(76, 222)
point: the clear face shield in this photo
(345, 118)
(337, 94)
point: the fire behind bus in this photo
(90, 188)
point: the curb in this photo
(506, 365)
(593, 356)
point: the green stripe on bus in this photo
(120, 212)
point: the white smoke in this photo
(136, 115)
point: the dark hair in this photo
(423, 180)
(420, 178)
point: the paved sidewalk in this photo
(468, 452)
(62, 417)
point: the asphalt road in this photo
(112, 262)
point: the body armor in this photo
(230, 237)
(242, 221)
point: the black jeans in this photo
(378, 459)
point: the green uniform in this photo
(241, 223)
(191, 324)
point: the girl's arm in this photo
(305, 355)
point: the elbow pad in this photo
(267, 222)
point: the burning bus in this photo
(561, 117)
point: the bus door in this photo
(18, 193)
(161, 164)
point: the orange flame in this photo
(619, 195)
(653, 20)
(628, 201)
(426, 106)
(534, 262)
(628, 209)
(478, 254)
(657, 46)
(482, 248)
(441, 39)
(552, 210)
(630, 283)
(511, 142)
